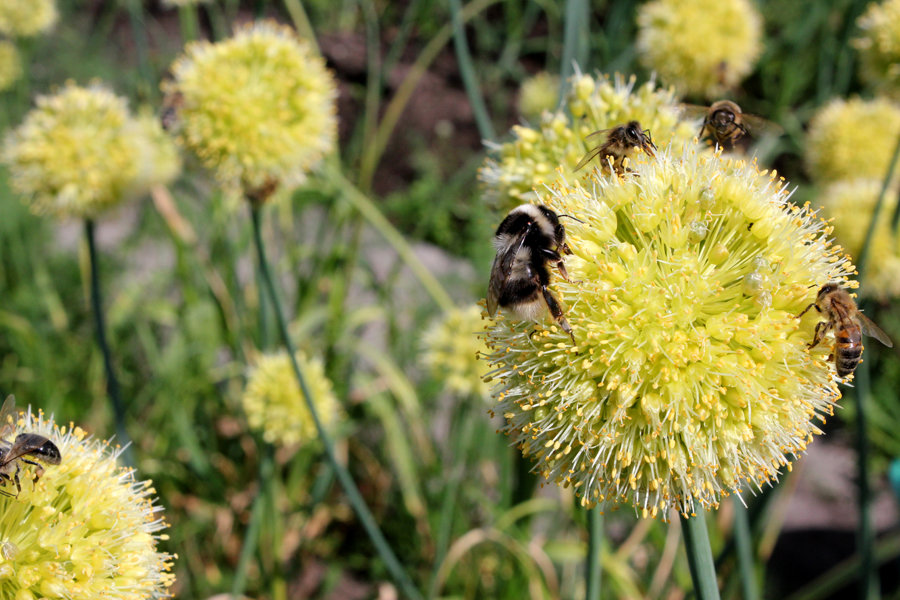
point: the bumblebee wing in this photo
(872, 330)
(759, 126)
(502, 269)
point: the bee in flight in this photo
(848, 323)
(528, 240)
(724, 123)
(25, 445)
(620, 143)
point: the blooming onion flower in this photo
(853, 138)
(851, 204)
(879, 46)
(25, 18)
(274, 404)
(80, 152)
(690, 376)
(10, 64)
(258, 108)
(452, 350)
(86, 529)
(514, 170)
(702, 47)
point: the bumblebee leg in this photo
(557, 259)
(557, 312)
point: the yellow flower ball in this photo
(537, 94)
(849, 139)
(80, 152)
(518, 170)
(690, 378)
(25, 18)
(702, 47)
(879, 46)
(10, 65)
(86, 529)
(850, 205)
(258, 108)
(275, 406)
(452, 349)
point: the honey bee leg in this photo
(822, 328)
(38, 471)
(557, 312)
(16, 479)
(803, 312)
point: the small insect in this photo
(26, 444)
(528, 239)
(620, 142)
(724, 123)
(848, 323)
(168, 113)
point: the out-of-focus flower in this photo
(80, 152)
(86, 529)
(851, 139)
(10, 65)
(879, 46)
(159, 161)
(851, 204)
(690, 377)
(537, 94)
(515, 170)
(25, 18)
(452, 348)
(275, 406)
(702, 47)
(258, 108)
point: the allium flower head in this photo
(10, 65)
(690, 376)
(258, 108)
(879, 46)
(159, 161)
(452, 349)
(854, 138)
(80, 152)
(25, 18)
(537, 94)
(85, 529)
(702, 47)
(515, 170)
(274, 404)
(851, 204)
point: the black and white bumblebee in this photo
(527, 241)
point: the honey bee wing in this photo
(760, 126)
(502, 268)
(8, 416)
(594, 134)
(872, 330)
(589, 157)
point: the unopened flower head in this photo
(78, 153)
(702, 47)
(879, 46)
(10, 65)
(690, 376)
(274, 404)
(25, 18)
(452, 351)
(538, 93)
(517, 170)
(86, 529)
(851, 139)
(258, 108)
(850, 205)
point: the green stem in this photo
(252, 536)
(353, 496)
(139, 35)
(595, 541)
(576, 46)
(467, 71)
(868, 577)
(112, 381)
(744, 544)
(863, 260)
(187, 21)
(699, 554)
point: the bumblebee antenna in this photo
(573, 218)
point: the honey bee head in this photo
(828, 288)
(724, 113)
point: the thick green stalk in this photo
(869, 588)
(467, 71)
(593, 575)
(744, 543)
(187, 21)
(353, 496)
(576, 41)
(699, 554)
(112, 381)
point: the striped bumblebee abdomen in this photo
(847, 348)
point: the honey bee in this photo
(527, 240)
(168, 112)
(26, 444)
(725, 123)
(620, 143)
(848, 323)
